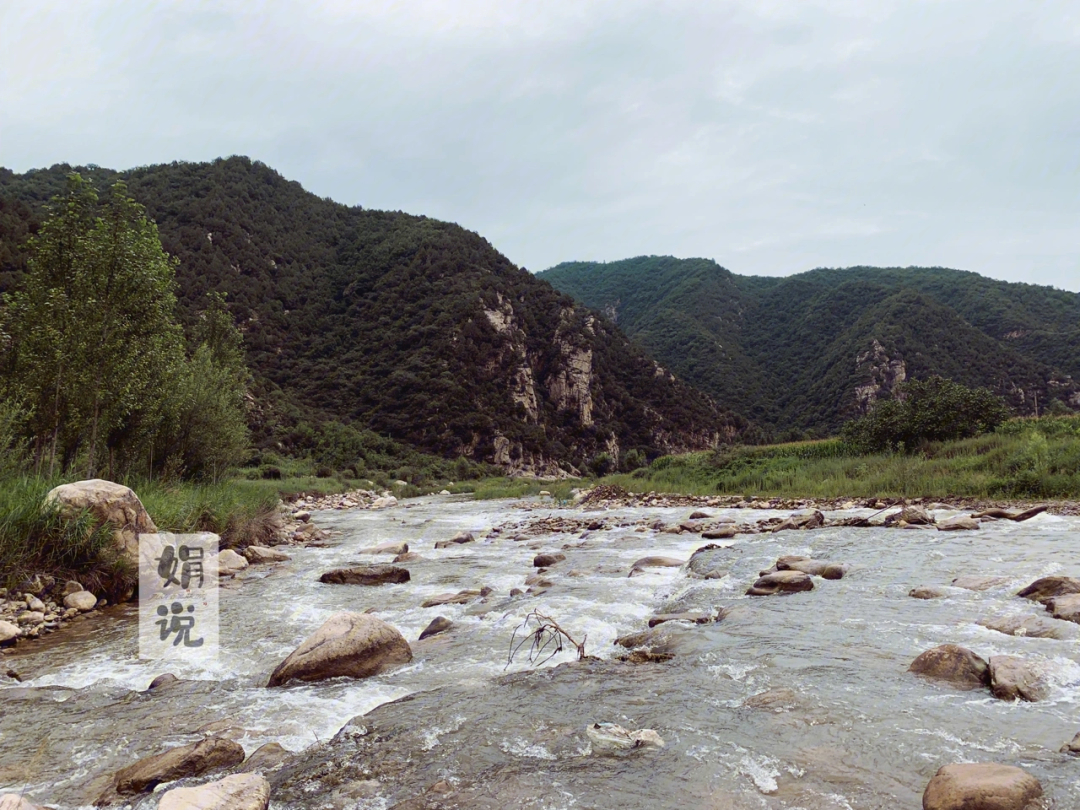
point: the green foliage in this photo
(97, 356)
(383, 322)
(1019, 460)
(790, 352)
(926, 411)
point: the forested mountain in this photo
(414, 328)
(807, 352)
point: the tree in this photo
(935, 409)
(94, 350)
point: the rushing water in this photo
(854, 731)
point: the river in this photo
(854, 729)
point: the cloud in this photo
(772, 136)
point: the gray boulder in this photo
(1012, 678)
(954, 665)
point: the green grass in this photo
(1025, 459)
(490, 488)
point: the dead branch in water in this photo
(546, 636)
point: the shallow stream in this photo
(854, 731)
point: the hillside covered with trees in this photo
(804, 353)
(360, 322)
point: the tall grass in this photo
(1025, 459)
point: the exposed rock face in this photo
(242, 791)
(176, 763)
(982, 786)
(356, 645)
(781, 582)
(109, 503)
(1012, 678)
(1044, 589)
(569, 387)
(366, 575)
(954, 665)
(882, 373)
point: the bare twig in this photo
(547, 635)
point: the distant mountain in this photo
(807, 352)
(412, 327)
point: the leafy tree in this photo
(95, 353)
(926, 410)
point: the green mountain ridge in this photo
(414, 328)
(809, 351)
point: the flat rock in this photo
(1013, 678)
(242, 791)
(355, 645)
(1065, 607)
(982, 786)
(386, 548)
(459, 598)
(781, 582)
(1046, 588)
(693, 618)
(177, 763)
(408, 556)
(926, 592)
(817, 568)
(548, 559)
(912, 516)
(775, 700)
(720, 532)
(655, 562)
(958, 523)
(262, 554)
(366, 575)
(954, 665)
(971, 583)
(1028, 626)
(440, 624)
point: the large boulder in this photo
(1046, 588)
(186, 760)
(982, 786)
(8, 632)
(1012, 678)
(954, 665)
(440, 624)
(366, 575)
(109, 503)
(355, 645)
(242, 791)
(1065, 607)
(781, 582)
(229, 563)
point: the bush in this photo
(925, 411)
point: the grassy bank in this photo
(1024, 459)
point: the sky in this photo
(773, 136)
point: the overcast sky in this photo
(771, 136)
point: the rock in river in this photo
(242, 791)
(952, 664)
(1065, 607)
(971, 583)
(711, 562)
(386, 548)
(1046, 588)
(982, 786)
(548, 559)
(262, 554)
(82, 601)
(1029, 626)
(926, 592)
(1012, 678)
(13, 801)
(176, 763)
(366, 575)
(356, 645)
(655, 562)
(958, 523)
(440, 624)
(781, 582)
